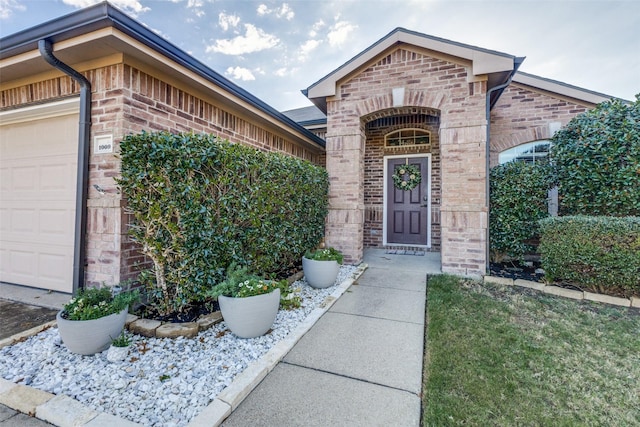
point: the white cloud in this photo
(132, 7)
(254, 40)
(7, 7)
(316, 27)
(307, 47)
(239, 73)
(227, 21)
(281, 72)
(263, 10)
(196, 6)
(339, 32)
(284, 11)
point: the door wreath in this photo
(406, 177)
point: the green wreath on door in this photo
(406, 177)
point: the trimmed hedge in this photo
(600, 254)
(200, 204)
(596, 158)
(519, 193)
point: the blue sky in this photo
(274, 49)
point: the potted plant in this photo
(248, 303)
(321, 267)
(119, 348)
(88, 322)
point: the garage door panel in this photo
(38, 172)
(52, 223)
(52, 179)
(38, 265)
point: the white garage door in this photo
(38, 160)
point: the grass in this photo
(503, 356)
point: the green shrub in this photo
(596, 158)
(600, 254)
(200, 204)
(519, 193)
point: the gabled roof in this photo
(560, 88)
(103, 29)
(497, 65)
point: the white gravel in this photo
(163, 382)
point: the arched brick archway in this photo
(377, 156)
(439, 86)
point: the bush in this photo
(596, 158)
(601, 254)
(519, 193)
(200, 204)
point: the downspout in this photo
(516, 64)
(84, 135)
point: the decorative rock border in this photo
(567, 293)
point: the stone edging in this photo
(62, 410)
(567, 293)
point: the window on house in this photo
(528, 153)
(407, 137)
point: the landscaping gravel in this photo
(163, 381)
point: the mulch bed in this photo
(515, 271)
(190, 314)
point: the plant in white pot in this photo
(88, 322)
(248, 303)
(321, 267)
(119, 349)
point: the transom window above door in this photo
(407, 138)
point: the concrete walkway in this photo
(361, 364)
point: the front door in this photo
(407, 210)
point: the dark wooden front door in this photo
(407, 211)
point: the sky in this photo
(274, 49)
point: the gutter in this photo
(488, 106)
(84, 135)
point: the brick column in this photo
(345, 165)
(463, 210)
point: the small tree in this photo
(596, 160)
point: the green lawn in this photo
(504, 356)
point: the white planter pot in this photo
(90, 336)
(250, 317)
(320, 274)
(117, 354)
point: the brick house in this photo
(74, 86)
(447, 108)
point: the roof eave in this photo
(561, 88)
(104, 15)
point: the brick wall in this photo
(523, 114)
(126, 100)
